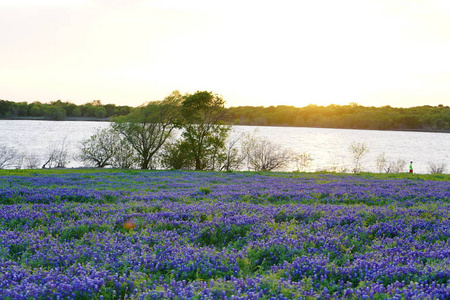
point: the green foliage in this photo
(11, 200)
(19, 224)
(173, 156)
(78, 231)
(55, 113)
(205, 190)
(148, 127)
(35, 110)
(100, 148)
(168, 226)
(204, 132)
(59, 110)
(224, 236)
(261, 259)
(75, 232)
(77, 112)
(332, 116)
(344, 116)
(137, 208)
(299, 216)
(100, 112)
(16, 251)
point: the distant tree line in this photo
(186, 132)
(59, 110)
(352, 116)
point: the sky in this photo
(256, 53)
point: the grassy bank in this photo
(408, 176)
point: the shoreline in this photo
(91, 119)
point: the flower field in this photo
(206, 235)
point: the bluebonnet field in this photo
(205, 235)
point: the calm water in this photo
(327, 147)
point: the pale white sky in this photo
(284, 52)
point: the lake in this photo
(328, 148)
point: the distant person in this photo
(410, 168)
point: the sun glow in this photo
(253, 53)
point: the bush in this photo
(7, 157)
(100, 148)
(77, 112)
(233, 157)
(173, 156)
(358, 150)
(302, 161)
(55, 113)
(100, 112)
(435, 168)
(57, 156)
(263, 155)
(389, 166)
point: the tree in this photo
(110, 108)
(124, 110)
(389, 166)
(125, 156)
(100, 148)
(57, 157)
(148, 127)
(302, 161)
(35, 110)
(31, 161)
(397, 166)
(204, 133)
(173, 156)
(436, 168)
(358, 150)
(263, 155)
(100, 112)
(7, 156)
(233, 158)
(55, 113)
(77, 112)
(381, 162)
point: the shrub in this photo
(358, 150)
(435, 168)
(263, 155)
(7, 156)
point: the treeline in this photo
(59, 110)
(352, 116)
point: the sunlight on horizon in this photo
(372, 52)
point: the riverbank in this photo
(92, 119)
(106, 171)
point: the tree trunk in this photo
(198, 164)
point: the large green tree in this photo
(204, 131)
(147, 127)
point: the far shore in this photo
(92, 119)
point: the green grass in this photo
(33, 172)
